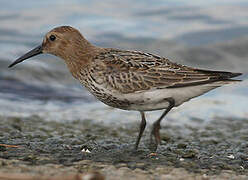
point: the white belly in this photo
(158, 98)
(154, 99)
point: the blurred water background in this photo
(206, 34)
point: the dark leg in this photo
(156, 126)
(142, 128)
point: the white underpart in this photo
(158, 98)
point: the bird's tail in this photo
(222, 77)
(220, 74)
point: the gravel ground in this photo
(216, 149)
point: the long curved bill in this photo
(33, 52)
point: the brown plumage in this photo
(129, 80)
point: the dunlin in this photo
(129, 80)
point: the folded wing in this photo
(132, 71)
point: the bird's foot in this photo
(155, 139)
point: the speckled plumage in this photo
(129, 80)
(117, 77)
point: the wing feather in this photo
(132, 71)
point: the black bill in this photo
(33, 52)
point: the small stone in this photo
(85, 151)
(205, 176)
(231, 156)
(152, 154)
(181, 146)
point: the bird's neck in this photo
(80, 58)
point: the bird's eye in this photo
(52, 37)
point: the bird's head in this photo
(65, 42)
